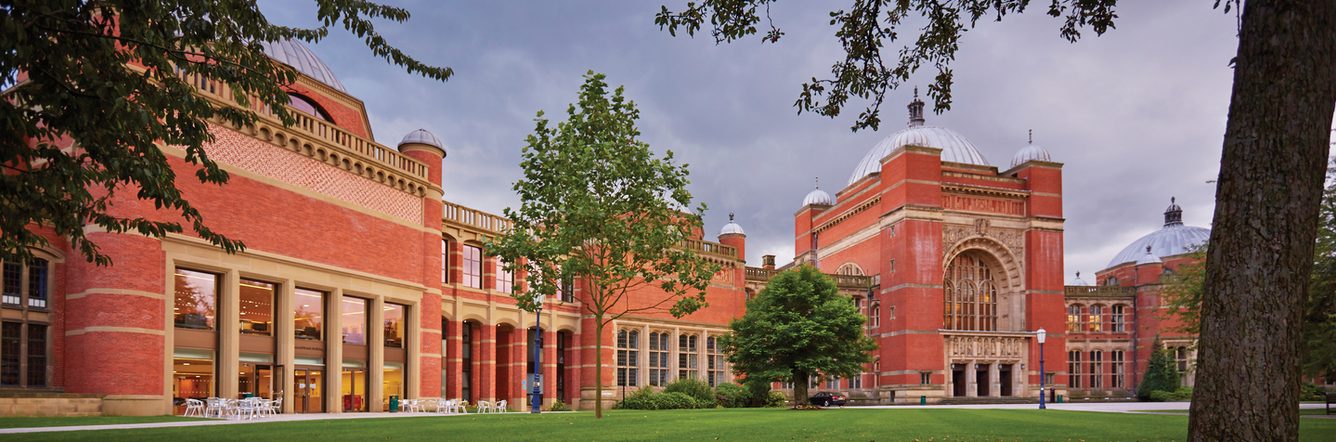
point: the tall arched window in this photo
(1074, 318)
(971, 294)
(628, 357)
(308, 106)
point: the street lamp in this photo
(1041, 336)
(536, 379)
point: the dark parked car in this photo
(826, 399)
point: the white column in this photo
(643, 359)
(286, 347)
(229, 334)
(971, 380)
(376, 343)
(334, 352)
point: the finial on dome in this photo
(1031, 136)
(916, 110)
(1173, 215)
(1147, 247)
(1078, 274)
(730, 216)
(818, 182)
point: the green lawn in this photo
(728, 425)
(1302, 411)
(24, 422)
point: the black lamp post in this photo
(1041, 335)
(536, 379)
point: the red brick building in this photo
(359, 282)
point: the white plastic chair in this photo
(276, 406)
(484, 407)
(500, 406)
(194, 407)
(444, 406)
(215, 407)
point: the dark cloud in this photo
(1136, 115)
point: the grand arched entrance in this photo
(983, 321)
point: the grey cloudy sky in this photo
(1136, 115)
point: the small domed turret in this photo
(1080, 282)
(422, 136)
(1031, 152)
(818, 197)
(1148, 258)
(731, 228)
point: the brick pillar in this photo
(486, 373)
(453, 360)
(428, 370)
(550, 366)
(519, 349)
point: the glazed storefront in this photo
(317, 346)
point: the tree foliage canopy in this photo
(109, 76)
(598, 205)
(865, 30)
(799, 326)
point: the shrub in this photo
(731, 395)
(776, 400)
(642, 399)
(1181, 394)
(1161, 375)
(697, 389)
(758, 392)
(1311, 392)
(673, 400)
(558, 405)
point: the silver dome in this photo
(1172, 239)
(421, 136)
(1031, 152)
(731, 228)
(955, 148)
(294, 53)
(818, 197)
(1079, 282)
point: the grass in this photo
(721, 424)
(28, 422)
(1302, 412)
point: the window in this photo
(566, 291)
(1095, 319)
(875, 320)
(354, 320)
(37, 270)
(308, 106)
(11, 348)
(628, 357)
(832, 383)
(658, 358)
(849, 268)
(13, 275)
(856, 382)
(36, 355)
(971, 294)
(1116, 368)
(925, 377)
(1074, 368)
(257, 307)
(1097, 369)
(505, 279)
(196, 299)
(472, 266)
(1117, 318)
(715, 358)
(18, 279)
(394, 325)
(1111, 281)
(445, 261)
(687, 364)
(1181, 362)
(308, 316)
(1074, 318)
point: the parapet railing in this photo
(841, 281)
(475, 218)
(310, 126)
(1098, 290)
(711, 248)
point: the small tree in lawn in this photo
(597, 205)
(799, 326)
(1161, 374)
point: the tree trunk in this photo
(1261, 250)
(800, 380)
(598, 367)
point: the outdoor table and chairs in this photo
(222, 408)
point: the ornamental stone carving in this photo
(985, 347)
(954, 234)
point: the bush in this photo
(1311, 392)
(731, 395)
(1161, 375)
(697, 389)
(776, 400)
(558, 405)
(758, 392)
(1179, 395)
(647, 399)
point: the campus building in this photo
(362, 280)
(359, 282)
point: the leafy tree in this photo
(799, 326)
(1267, 196)
(1161, 374)
(1182, 292)
(108, 76)
(596, 203)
